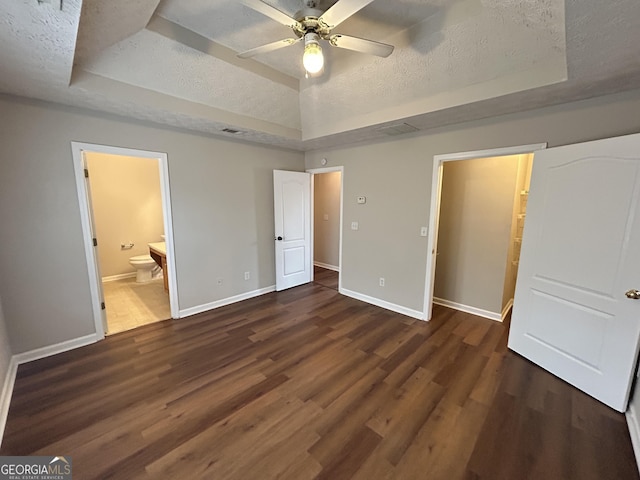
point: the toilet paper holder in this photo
(126, 246)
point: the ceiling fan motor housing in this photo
(308, 19)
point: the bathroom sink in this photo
(158, 247)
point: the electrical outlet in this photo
(326, 217)
(423, 231)
(382, 281)
(247, 275)
(220, 282)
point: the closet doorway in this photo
(478, 215)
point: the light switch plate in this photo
(362, 199)
(354, 225)
(423, 231)
(326, 216)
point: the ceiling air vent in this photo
(397, 129)
(232, 130)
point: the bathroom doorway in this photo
(129, 236)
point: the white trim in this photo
(327, 266)
(225, 301)
(468, 309)
(61, 347)
(314, 171)
(121, 276)
(505, 310)
(383, 304)
(434, 211)
(634, 431)
(95, 285)
(7, 391)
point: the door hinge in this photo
(103, 306)
(95, 242)
(86, 173)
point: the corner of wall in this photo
(7, 392)
(17, 359)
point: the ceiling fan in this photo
(312, 25)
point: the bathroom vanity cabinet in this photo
(158, 252)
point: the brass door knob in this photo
(633, 294)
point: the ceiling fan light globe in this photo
(313, 59)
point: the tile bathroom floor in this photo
(130, 304)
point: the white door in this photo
(292, 209)
(580, 255)
(92, 226)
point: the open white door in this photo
(580, 256)
(92, 223)
(292, 211)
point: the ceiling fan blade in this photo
(271, 12)
(361, 45)
(341, 10)
(269, 47)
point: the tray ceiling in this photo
(174, 62)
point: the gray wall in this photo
(326, 218)
(222, 200)
(476, 211)
(127, 207)
(395, 175)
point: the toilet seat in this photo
(142, 259)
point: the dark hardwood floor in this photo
(325, 277)
(306, 384)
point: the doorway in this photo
(482, 213)
(126, 202)
(469, 225)
(327, 226)
(125, 211)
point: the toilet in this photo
(145, 267)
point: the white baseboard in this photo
(327, 266)
(225, 301)
(7, 391)
(505, 310)
(468, 309)
(634, 431)
(383, 304)
(121, 276)
(50, 350)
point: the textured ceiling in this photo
(173, 62)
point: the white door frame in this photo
(314, 171)
(95, 283)
(434, 213)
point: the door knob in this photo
(633, 294)
(279, 239)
